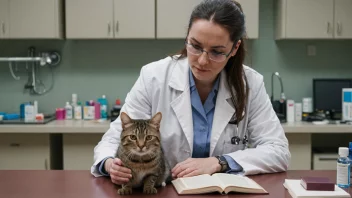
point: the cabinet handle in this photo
(46, 164)
(109, 28)
(328, 30)
(339, 28)
(3, 27)
(117, 26)
(15, 145)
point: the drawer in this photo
(325, 161)
(24, 152)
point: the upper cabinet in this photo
(4, 15)
(22, 19)
(91, 19)
(173, 17)
(343, 19)
(313, 19)
(251, 11)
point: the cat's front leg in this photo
(149, 185)
(125, 190)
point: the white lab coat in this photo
(163, 86)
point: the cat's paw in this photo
(124, 191)
(150, 190)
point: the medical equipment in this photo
(278, 105)
(34, 83)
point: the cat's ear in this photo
(125, 119)
(156, 119)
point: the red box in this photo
(317, 183)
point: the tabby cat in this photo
(140, 150)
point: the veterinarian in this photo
(216, 114)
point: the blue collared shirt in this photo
(203, 122)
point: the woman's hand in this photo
(118, 173)
(196, 166)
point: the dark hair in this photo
(228, 14)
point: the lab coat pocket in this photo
(230, 148)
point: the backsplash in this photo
(92, 68)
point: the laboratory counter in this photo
(57, 144)
(71, 126)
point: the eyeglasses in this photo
(213, 55)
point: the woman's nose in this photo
(203, 59)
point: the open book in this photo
(219, 182)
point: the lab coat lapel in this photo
(182, 103)
(223, 112)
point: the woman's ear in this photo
(236, 48)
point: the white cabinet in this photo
(78, 150)
(91, 19)
(34, 19)
(313, 19)
(4, 23)
(300, 147)
(173, 17)
(251, 11)
(24, 152)
(133, 21)
(343, 19)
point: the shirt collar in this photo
(192, 83)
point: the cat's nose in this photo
(141, 147)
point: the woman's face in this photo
(214, 39)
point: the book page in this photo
(236, 180)
(200, 181)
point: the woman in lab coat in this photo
(216, 115)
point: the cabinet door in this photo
(133, 21)
(343, 19)
(34, 19)
(309, 19)
(173, 17)
(87, 19)
(78, 150)
(24, 152)
(251, 11)
(4, 23)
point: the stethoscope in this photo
(236, 140)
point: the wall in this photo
(91, 68)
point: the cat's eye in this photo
(133, 137)
(149, 137)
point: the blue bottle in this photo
(343, 168)
(350, 156)
(103, 107)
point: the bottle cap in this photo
(103, 96)
(118, 102)
(67, 103)
(343, 151)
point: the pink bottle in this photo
(96, 110)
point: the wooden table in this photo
(81, 184)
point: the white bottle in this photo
(290, 111)
(68, 111)
(78, 111)
(298, 112)
(343, 168)
(35, 104)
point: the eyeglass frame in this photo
(202, 51)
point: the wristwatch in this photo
(223, 163)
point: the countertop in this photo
(71, 126)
